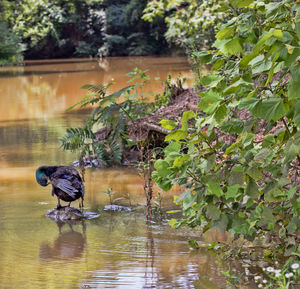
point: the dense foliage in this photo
(238, 157)
(80, 28)
(191, 23)
(10, 46)
(60, 28)
(128, 34)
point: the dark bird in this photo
(66, 183)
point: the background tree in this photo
(190, 23)
(81, 28)
(60, 28)
(128, 34)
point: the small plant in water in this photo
(158, 201)
(110, 194)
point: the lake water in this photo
(118, 250)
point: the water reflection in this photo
(40, 91)
(68, 245)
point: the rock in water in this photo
(69, 214)
(116, 208)
(65, 214)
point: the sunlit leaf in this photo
(168, 124)
(225, 33)
(241, 3)
(187, 115)
(176, 135)
(229, 46)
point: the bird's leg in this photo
(69, 204)
(81, 205)
(58, 204)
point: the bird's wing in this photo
(65, 186)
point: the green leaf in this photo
(232, 191)
(214, 188)
(293, 89)
(116, 94)
(202, 56)
(267, 216)
(262, 155)
(252, 189)
(162, 167)
(292, 149)
(176, 135)
(252, 224)
(222, 223)
(273, 109)
(236, 178)
(257, 60)
(183, 196)
(229, 47)
(225, 33)
(246, 59)
(187, 115)
(297, 16)
(210, 80)
(277, 33)
(220, 113)
(218, 64)
(296, 118)
(209, 101)
(268, 141)
(180, 160)
(172, 147)
(236, 85)
(168, 124)
(233, 126)
(241, 3)
(233, 148)
(252, 104)
(291, 192)
(213, 212)
(211, 161)
(254, 172)
(193, 244)
(262, 67)
(163, 183)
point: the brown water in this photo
(114, 251)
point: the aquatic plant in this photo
(105, 134)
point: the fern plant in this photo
(112, 115)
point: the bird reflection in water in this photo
(69, 244)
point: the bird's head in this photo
(41, 176)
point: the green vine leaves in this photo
(238, 157)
